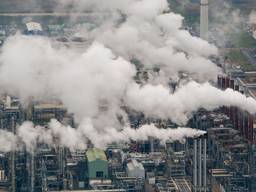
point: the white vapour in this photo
(31, 67)
(145, 133)
(157, 101)
(252, 17)
(148, 31)
(83, 82)
(227, 22)
(57, 134)
(102, 76)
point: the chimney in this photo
(204, 19)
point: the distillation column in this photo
(199, 164)
(13, 164)
(205, 168)
(195, 165)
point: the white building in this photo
(33, 26)
(135, 169)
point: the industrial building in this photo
(222, 160)
(97, 164)
(33, 28)
(135, 169)
(242, 121)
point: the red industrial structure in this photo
(242, 120)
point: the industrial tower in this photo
(199, 164)
(204, 19)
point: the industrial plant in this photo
(128, 96)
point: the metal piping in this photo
(152, 145)
(195, 166)
(13, 179)
(200, 164)
(204, 168)
(32, 171)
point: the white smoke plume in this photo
(94, 84)
(146, 132)
(57, 134)
(225, 21)
(252, 17)
(157, 101)
(148, 31)
(80, 81)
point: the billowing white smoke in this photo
(31, 67)
(59, 135)
(144, 133)
(226, 23)
(147, 31)
(95, 84)
(54, 135)
(81, 82)
(252, 17)
(157, 101)
(157, 40)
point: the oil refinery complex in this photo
(223, 159)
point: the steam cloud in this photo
(59, 135)
(157, 101)
(252, 17)
(103, 76)
(226, 23)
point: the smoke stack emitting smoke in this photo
(32, 68)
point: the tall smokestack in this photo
(199, 164)
(195, 165)
(152, 145)
(204, 19)
(32, 171)
(204, 166)
(13, 164)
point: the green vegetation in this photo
(192, 17)
(237, 57)
(248, 67)
(244, 40)
(177, 7)
(189, 11)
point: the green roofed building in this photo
(97, 164)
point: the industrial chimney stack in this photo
(204, 19)
(199, 164)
